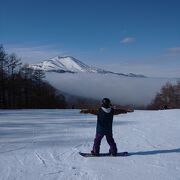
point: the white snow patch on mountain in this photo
(69, 64)
(64, 64)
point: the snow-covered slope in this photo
(63, 64)
(72, 65)
(44, 145)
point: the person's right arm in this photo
(122, 111)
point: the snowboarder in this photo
(104, 125)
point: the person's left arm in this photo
(89, 111)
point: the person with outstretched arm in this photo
(104, 125)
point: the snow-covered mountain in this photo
(69, 64)
(64, 64)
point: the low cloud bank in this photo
(122, 90)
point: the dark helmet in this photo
(106, 103)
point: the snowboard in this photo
(122, 154)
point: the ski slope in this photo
(44, 145)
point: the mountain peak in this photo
(63, 64)
(63, 57)
(69, 64)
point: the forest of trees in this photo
(23, 87)
(167, 98)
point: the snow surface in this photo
(44, 145)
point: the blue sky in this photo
(122, 35)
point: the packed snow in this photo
(44, 145)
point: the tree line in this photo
(167, 98)
(23, 87)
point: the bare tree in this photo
(38, 76)
(3, 62)
(23, 87)
(13, 63)
(26, 72)
(168, 97)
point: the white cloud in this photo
(122, 90)
(102, 50)
(174, 50)
(33, 54)
(128, 40)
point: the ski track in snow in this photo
(46, 146)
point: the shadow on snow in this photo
(154, 152)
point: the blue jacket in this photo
(104, 122)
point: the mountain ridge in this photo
(69, 64)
